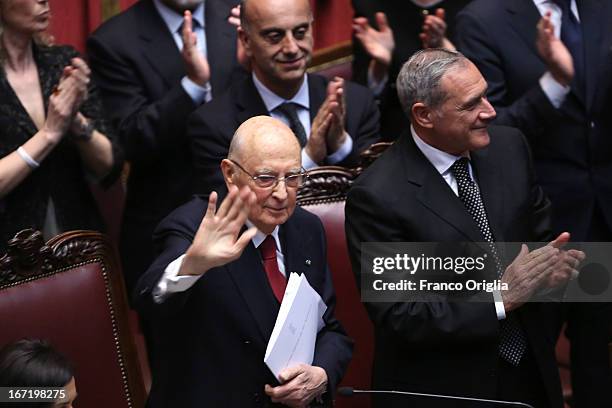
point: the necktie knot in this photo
(460, 169)
(268, 248)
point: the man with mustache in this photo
(333, 120)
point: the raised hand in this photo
(66, 99)
(554, 53)
(218, 240)
(196, 64)
(336, 134)
(379, 44)
(433, 34)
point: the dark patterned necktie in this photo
(277, 281)
(513, 343)
(289, 110)
(571, 36)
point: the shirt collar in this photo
(174, 20)
(273, 101)
(260, 236)
(441, 160)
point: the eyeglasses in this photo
(269, 181)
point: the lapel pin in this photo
(308, 262)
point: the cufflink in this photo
(307, 262)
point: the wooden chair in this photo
(333, 61)
(69, 291)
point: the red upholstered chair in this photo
(324, 194)
(69, 291)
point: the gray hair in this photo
(420, 77)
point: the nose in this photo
(488, 112)
(290, 45)
(280, 191)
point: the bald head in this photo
(250, 9)
(265, 147)
(263, 136)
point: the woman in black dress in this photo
(53, 139)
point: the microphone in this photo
(350, 391)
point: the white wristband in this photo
(33, 164)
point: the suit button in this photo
(592, 125)
(247, 342)
(256, 397)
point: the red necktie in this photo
(278, 283)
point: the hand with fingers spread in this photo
(196, 64)
(300, 385)
(554, 53)
(218, 240)
(567, 264)
(527, 272)
(379, 44)
(433, 34)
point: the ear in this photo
(243, 36)
(229, 172)
(422, 115)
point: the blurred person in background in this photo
(53, 139)
(386, 34)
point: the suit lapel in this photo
(159, 47)
(220, 43)
(524, 17)
(250, 279)
(293, 243)
(434, 193)
(489, 176)
(317, 91)
(249, 101)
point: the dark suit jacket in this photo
(405, 19)
(571, 146)
(62, 175)
(212, 338)
(212, 126)
(442, 347)
(139, 68)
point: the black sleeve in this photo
(145, 127)
(369, 219)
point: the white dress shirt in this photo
(302, 100)
(172, 282)
(174, 22)
(443, 162)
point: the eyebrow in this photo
(473, 101)
(272, 172)
(282, 30)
